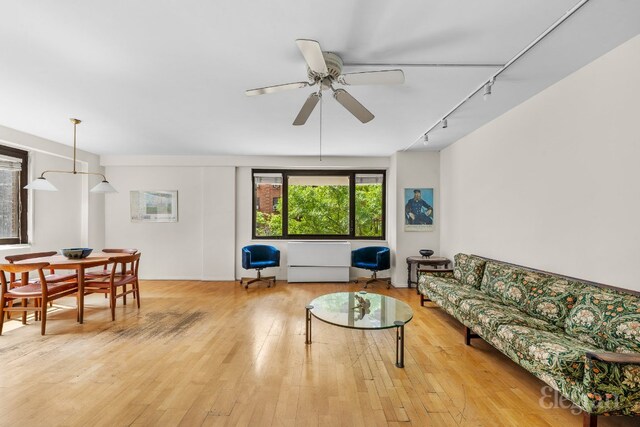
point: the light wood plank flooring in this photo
(212, 353)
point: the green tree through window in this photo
(319, 209)
(369, 210)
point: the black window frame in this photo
(24, 194)
(284, 203)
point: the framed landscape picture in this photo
(154, 206)
(418, 209)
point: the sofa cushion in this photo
(469, 269)
(456, 293)
(607, 318)
(516, 289)
(491, 314)
(553, 352)
(495, 279)
(516, 284)
(451, 289)
(435, 284)
(541, 295)
(550, 298)
(442, 302)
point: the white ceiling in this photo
(168, 76)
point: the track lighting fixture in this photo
(487, 87)
(445, 123)
(425, 139)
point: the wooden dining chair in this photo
(52, 277)
(116, 285)
(105, 272)
(42, 291)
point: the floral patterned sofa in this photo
(580, 338)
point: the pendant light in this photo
(41, 182)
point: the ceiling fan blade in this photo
(352, 104)
(386, 77)
(306, 109)
(276, 88)
(313, 55)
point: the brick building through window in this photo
(270, 197)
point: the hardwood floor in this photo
(213, 353)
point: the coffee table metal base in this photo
(399, 344)
(399, 336)
(308, 330)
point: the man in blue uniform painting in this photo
(417, 211)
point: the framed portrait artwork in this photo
(154, 206)
(418, 209)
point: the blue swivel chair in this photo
(258, 257)
(374, 258)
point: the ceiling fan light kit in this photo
(324, 69)
(42, 184)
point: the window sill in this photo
(12, 247)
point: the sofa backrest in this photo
(607, 318)
(541, 295)
(469, 269)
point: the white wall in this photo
(51, 209)
(413, 170)
(213, 240)
(223, 235)
(70, 217)
(555, 183)
(201, 245)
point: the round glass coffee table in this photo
(362, 310)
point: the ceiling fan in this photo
(325, 69)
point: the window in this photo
(369, 205)
(309, 204)
(13, 197)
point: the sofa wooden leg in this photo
(589, 420)
(423, 298)
(468, 335)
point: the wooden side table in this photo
(419, 261)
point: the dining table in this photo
(79, 265)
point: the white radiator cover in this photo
(318, 261)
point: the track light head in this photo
(445, 123)
(487, 89)
(425, 139)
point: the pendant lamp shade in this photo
(104, 187)
(42, 184)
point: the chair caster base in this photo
(270, 280)
(369, 280)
